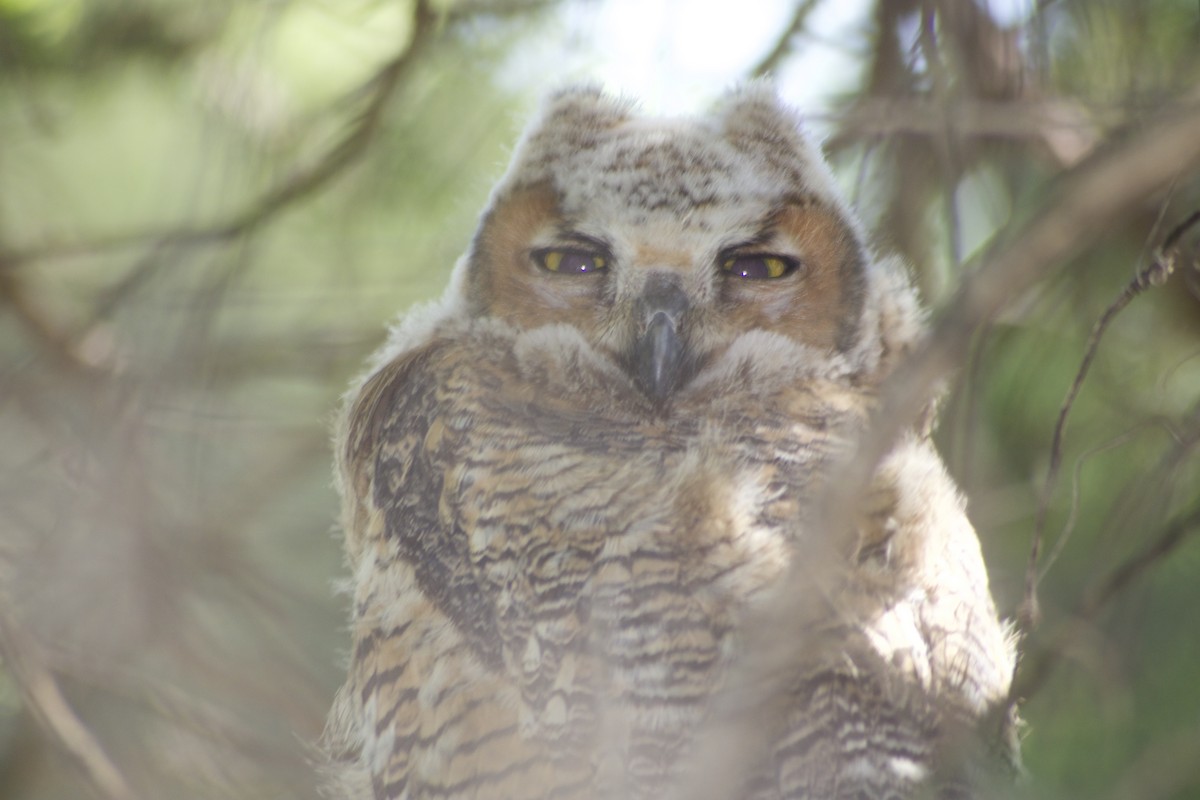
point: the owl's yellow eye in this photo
(758, 267)
(570, 262)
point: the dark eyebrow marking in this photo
(756, 242)
(570, 236)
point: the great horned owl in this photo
(569, 484)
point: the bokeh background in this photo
(210, 211)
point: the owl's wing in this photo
(425, 710)
(396, 456)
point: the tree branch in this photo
(783, 45)
(54, 714)
(1066, 129)
(301, 183)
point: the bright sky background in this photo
(677, 55)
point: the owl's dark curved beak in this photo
(659, 356)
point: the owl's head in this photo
(666, 242)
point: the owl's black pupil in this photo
(577, 262)
(750, 267)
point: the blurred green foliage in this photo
(173, 345)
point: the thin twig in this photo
(1034, 674)
(1076, 482)
(1154, 274)
(1172, 536)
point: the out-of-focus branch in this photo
(301, 183)
(44, 698)
(1067, 130)
(304, 180)
(1120, 578)
(1165, 769)
(496, 8)
(784, 44)
(40, 329)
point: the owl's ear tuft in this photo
(582, 109)
(758, 124)
(572, 121)
(754, 118)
